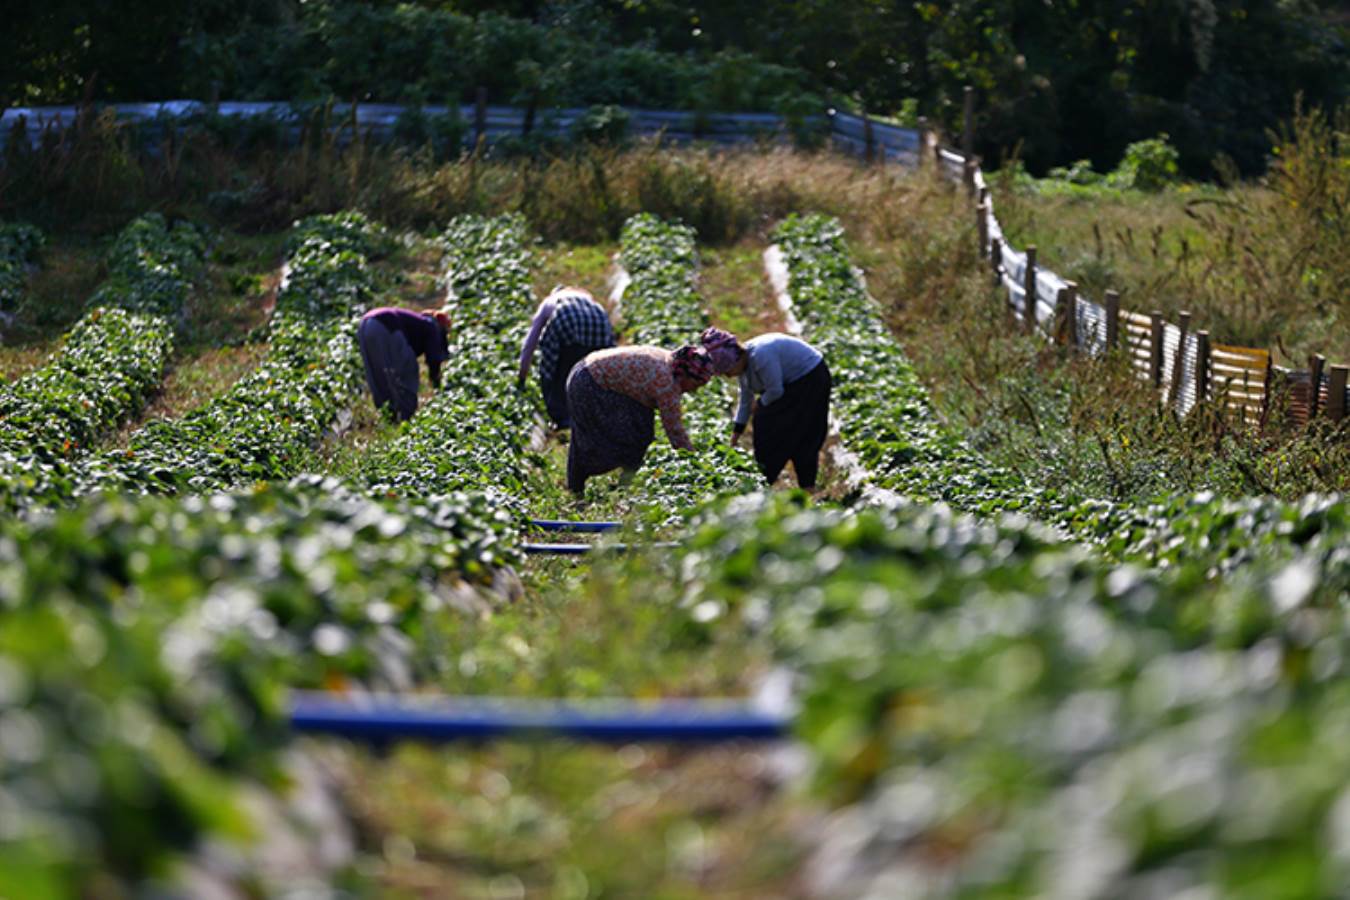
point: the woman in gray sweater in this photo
(792, 383)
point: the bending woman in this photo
(391, 339)
(792, 382)
(568, 325)
(613, 396)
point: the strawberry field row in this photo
(1003, 713)
(146, 645)
(473, 434)
(661, 306)
(107, 365)
(885, 416)
(263, 426)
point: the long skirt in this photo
(391, 368)
(609, 430)
(555, 389)
(794, 427)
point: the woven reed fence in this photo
(1183, 363)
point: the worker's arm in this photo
(541, 320)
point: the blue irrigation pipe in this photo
(555, 549)
(567, 525)
(579, 549)
(380, 719)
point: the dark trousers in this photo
(555, 389)
(793, 428)
(391, 368)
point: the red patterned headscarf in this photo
(723, 348)
(692, 363)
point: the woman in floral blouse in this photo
(613, 395)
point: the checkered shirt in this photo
(576, 320)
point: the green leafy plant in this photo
(147, 644)
(1148, 165)
(107, 366)
(984, 687)
(263, 427)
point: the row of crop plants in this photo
(997, 712)
(263, 427)
(147, 643)
(19, 246)
(107, 365)
(474, 433)
(662, 306)
(886, 418)
(884, 413)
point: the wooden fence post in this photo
(479, 114)
(1112, 320)
(1336, 393)
(1029, 285)
(869, 139)
(1202, 366)
(1060, 328)
(1155, 350)
(996, 260)
(924, 137)
(1267, 388)
(967, 121)
(968, 176)
(1315, 366)
(982, 226)
(1184, 325)
(1071, 312)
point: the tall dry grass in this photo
(100, 172)
(1261, 264)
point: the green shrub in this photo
(1148, 165)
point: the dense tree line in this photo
(1060, 79)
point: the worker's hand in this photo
(736, 437)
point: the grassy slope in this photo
(1236, 258)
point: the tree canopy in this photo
(1061, 80)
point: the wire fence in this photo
(1182, 364)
